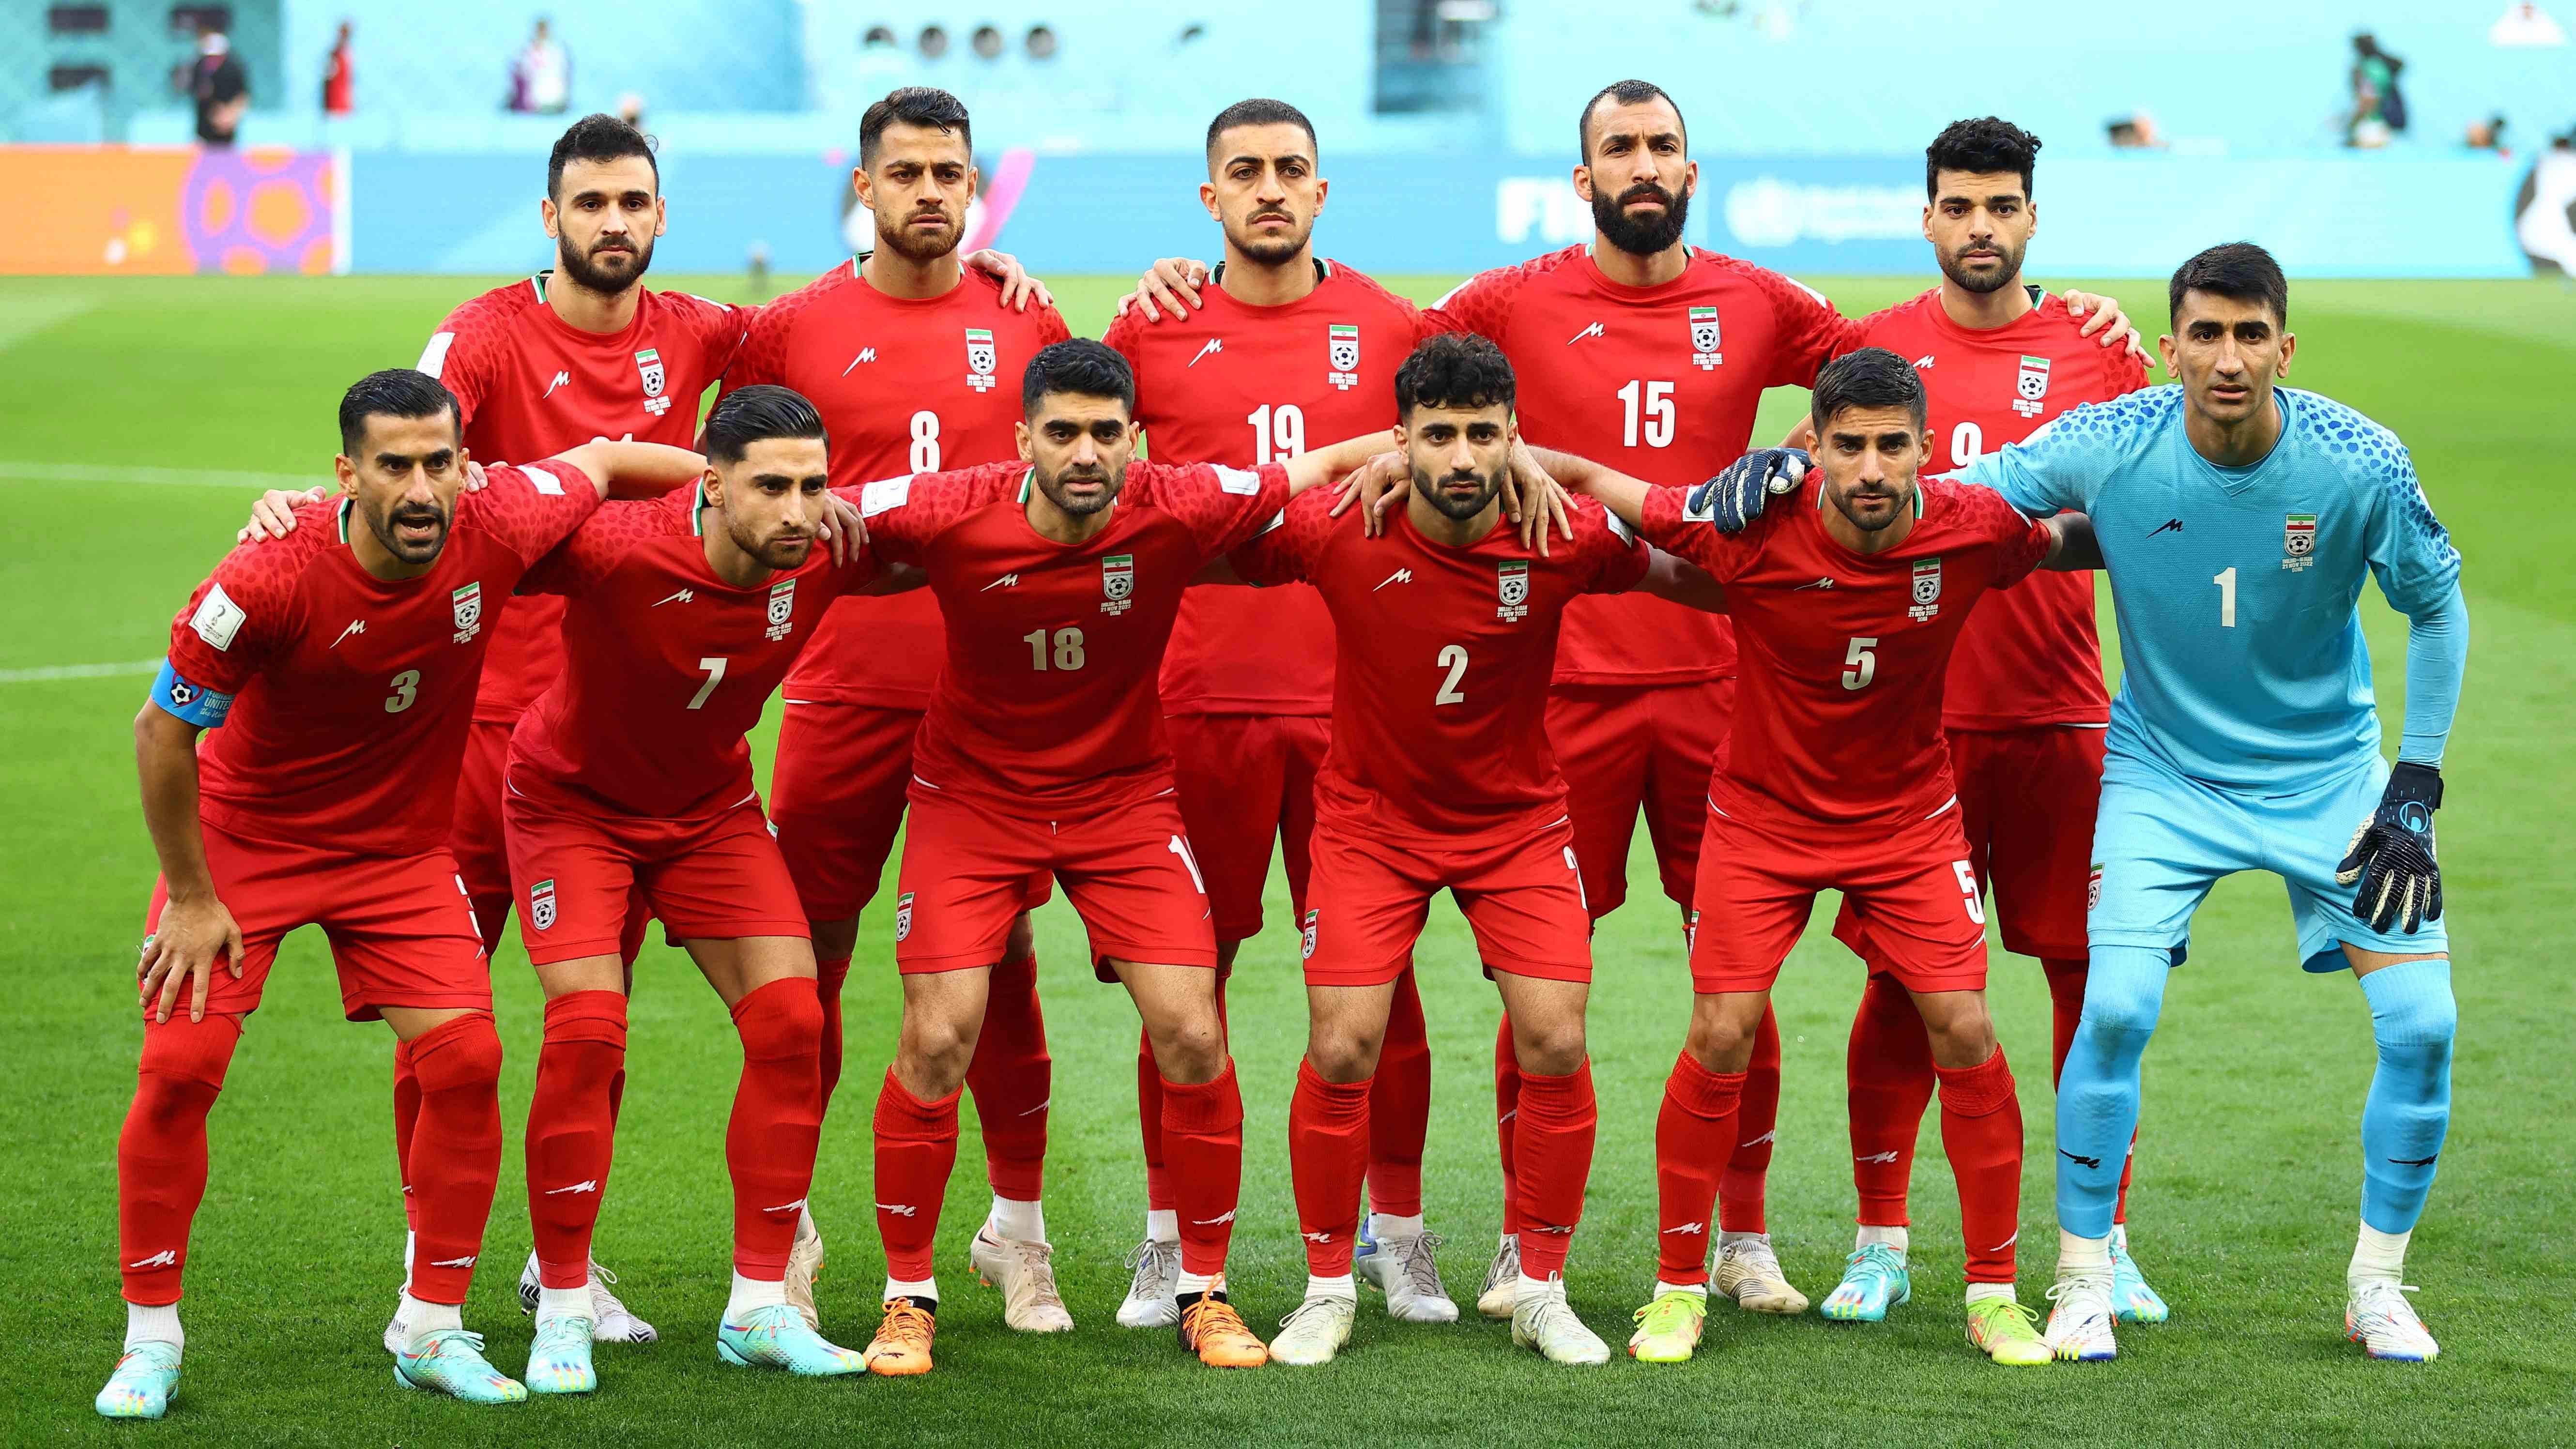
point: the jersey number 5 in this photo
(1860, 663)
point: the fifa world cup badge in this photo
(2031, 386)
(1343, 357)
(1117, 583)
(648, 366)
(541, 905)
(2298, 542)
(903, 915)
(1927, 590)
(980, 359)
(468, 602)
(782, 608)
(1307, 942)
(1511, 590)
(1703, 333)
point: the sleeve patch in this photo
(884, 493)
(218, 619)
(544, 481)
(198, 705)
(1237, 481)
(1619, 528)
(433, 358)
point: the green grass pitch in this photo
(122, 403)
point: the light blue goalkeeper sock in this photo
(2409, 1110)
(2097, 1093)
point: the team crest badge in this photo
(1703, 328)
(2093, 888)
(1690, 934)
(468, 602)
(1511, 590)
(2298, 541)
(1342, 352)
(1927, 590)
(648, 366)
(2031, 386)
(1117, 583)
(980, 359)
(903, 915)
(541, 905)
(782, 608)
(1306, 943)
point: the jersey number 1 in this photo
(2226, 598)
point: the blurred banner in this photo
(106, 210)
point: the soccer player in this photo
(2024, 707)
(2244, 737)
(341, 665)
(1043, 751)
(631, 774)
(914, 361)
(1440, 775)
(1848, 597)
(1294, 347)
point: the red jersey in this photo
(2030, 654)
(1838, 707)
(666, 665)
(530, 385)
(1231, 382)
(1660, 383)
(352, 693)
(1440, 698)
(1046, 708)
(905, 386)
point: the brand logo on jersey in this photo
(217, 618)
(1006, 581)
(980, 359)
(1400, 576)
(866, 354)
(1306, 943)
(1117, 582)
(782, 608)
(560, 379)
(648, 366)
(468, 602)
(681, 597)
(1214, 346)
(2032, 385)
(356, 626)
(1818, 584)
(1923, 363)
(2093, 888)
(2298, 541)
(1342, 351)
(2170, 525)
(1594, 330)
(541, 905)
(902, 928)
(1511, 588)
(1703, 333)
(1927, 589)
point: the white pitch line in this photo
(52, 672)
(20, 472)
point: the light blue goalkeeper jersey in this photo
(2244, 664)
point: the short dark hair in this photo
(1454, 370)
(1079, 366)
(1626, 93)
(396, 392)
(1988, 143)
(1873, 377)
(1259, 111)
(925, 106)
(596, 138)
(755, 414)
(2240, 271)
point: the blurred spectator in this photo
(218, 85)
(2545, 221)
(1041, 43)
(630, 109)
(986, 42)
(2487, 135)
(2524, 24)
(541, 77)
(2378, 106)
(934, 43)
(2135, 132)
(882, 63)
(339, 92)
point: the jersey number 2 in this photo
(1453, 657)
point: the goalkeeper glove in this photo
(2391, 860)
(1734, 498)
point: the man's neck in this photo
(2240, 444)
(1268, 284)
(377, 559)
(1057, 526)
(897, 275)
(1860, 540)
(589, 311)
(1983, 311)
(1631, 270)
(1440, 528)
(725, 558)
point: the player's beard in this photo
(1272, 251)
(1994, 279)
(1436, 493)
(1638, 236)
(897, 236)
(1840, 498)
(590, 276)
(786, 551)
(1072, 507)
(384, 524)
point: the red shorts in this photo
(1910, 898)
(401, 931)
(968, 870)
(1523, 898)
(1246, 779)
(574, 861)
(476, 838)
(1625, 749)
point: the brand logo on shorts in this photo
(1927, 590)
(648, 367)
(782, 608)
(1307, 942)
(468, 602)
(1342, 351)
(1703, 333)
(2030, 386)
(1511, 589)
(2298, 541)
(2093, 888)
(980, 359)
(541, 905)
(1117, 582)
(903, 915)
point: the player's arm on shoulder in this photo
(1811, 331)
(1282, 552)
(2056, 469)
(900, 516)
(633, 470)
(1682, 582)
(1481, 304)
(2071, 546)
(1169, 288)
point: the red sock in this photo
(1203, 1140)
(1400, 1107)
(916, 1150)
(2066, 1012)
(1694, 1136)
(572, 1130)
(1557, 1121)
(1507, 1112)
(1889, 1071)
(161, 1153)
(1748, 1171)
(1981, 1134)
(1328, 1137)
(828, 979)
(406, 1118)
(1149, 1125)
(777, 1121)
(1011, 1079)
(456, 1154)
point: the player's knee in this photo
(1553, 1048)
(2418, 1029)
(184, 1061)
(1721, 1040)
(786, 1023)
(462, 1054)
(937, 1048)
(1192, 1050)
(2123, 997)
(1344, 1053)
